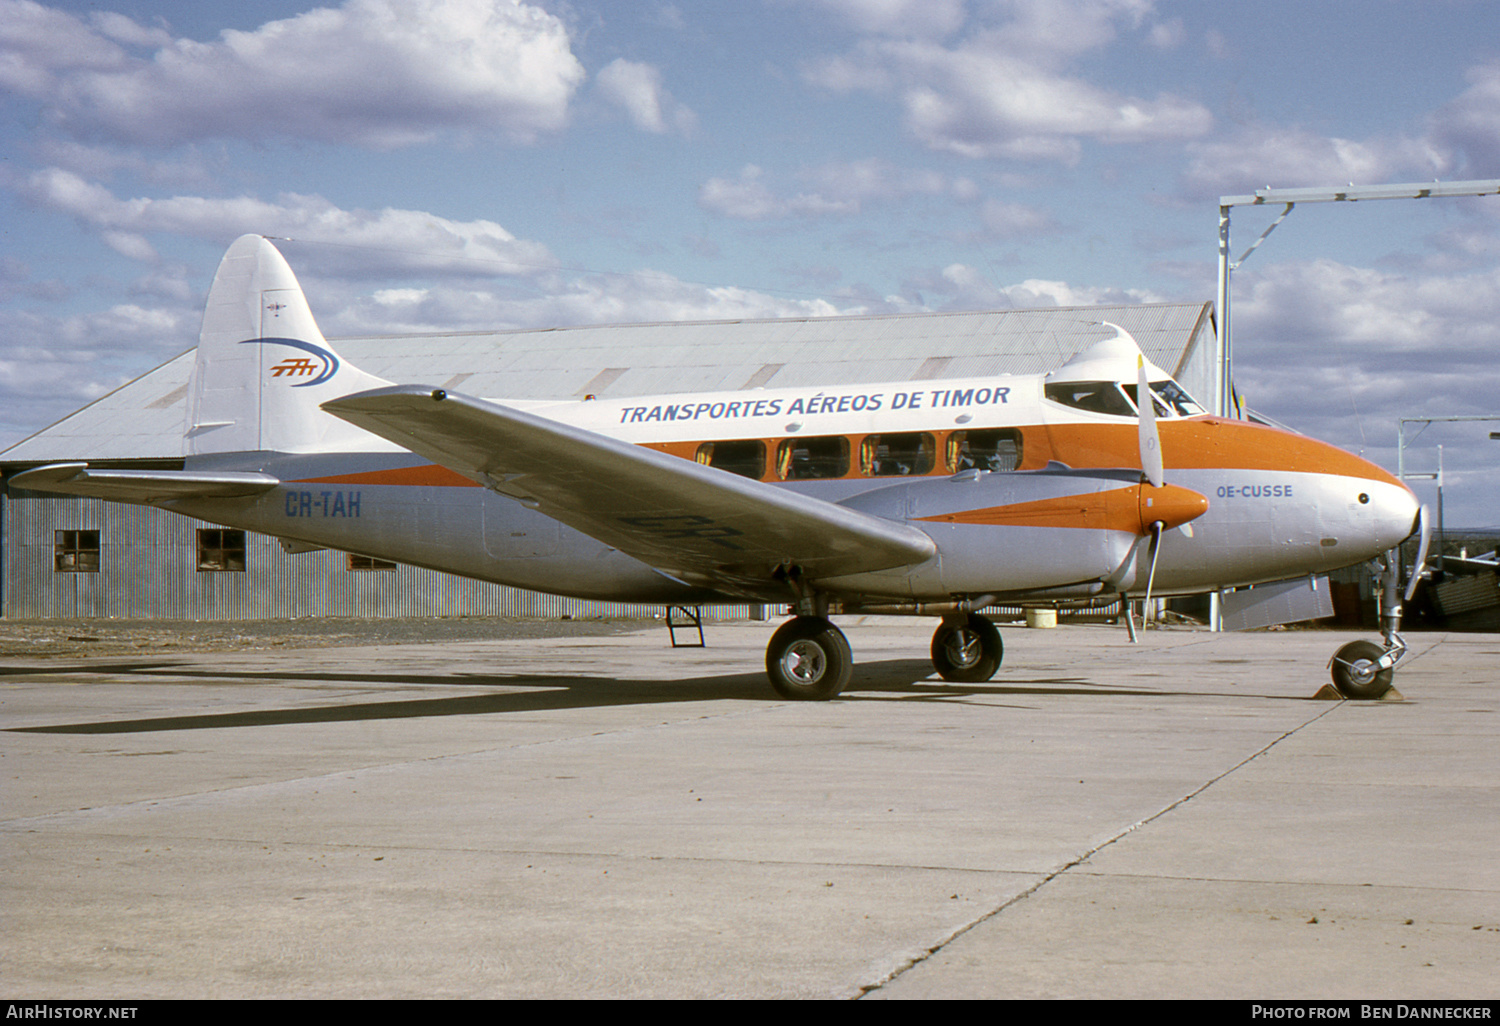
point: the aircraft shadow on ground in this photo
(888, 680)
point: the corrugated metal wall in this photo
(148, 570)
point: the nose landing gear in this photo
(1362, 670)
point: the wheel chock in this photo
(1329, 693)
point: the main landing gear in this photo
(808, 658)
(967, 650)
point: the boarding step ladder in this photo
(681, 618)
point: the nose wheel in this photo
(1357, 673)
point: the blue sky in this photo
(480, 164)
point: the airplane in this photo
(938, 498)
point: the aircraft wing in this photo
(142, 486)
(693, 521)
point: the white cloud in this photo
(50, 366)
(1016, 219)
(923, 18)
(848, 188)
(356, 242)
(1047, 30)
(1260, 156)
(1470, 124)
(641, 297)
(1001, 92)
(39, 46)
(637, 90)
(381, 73)
(1339, 352)
(749, 199)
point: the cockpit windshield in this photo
(1173, 393)
(1169, 399)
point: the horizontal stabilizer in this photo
(677, 515)
(142, 486)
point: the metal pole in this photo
(1221, 380)
(1221, 342)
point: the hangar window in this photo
(995, 449)
(897, 455)
(746, 458)
(221, 549)
(1091, 397)
(357, 562)
(76, 552)
(805, 459)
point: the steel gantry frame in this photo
(1223, 356)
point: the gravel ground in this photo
(75, 638)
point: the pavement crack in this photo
(912, 962)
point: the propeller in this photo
(1419, 568)
(1176, 506)
(1150, 440)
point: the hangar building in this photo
(65, 557)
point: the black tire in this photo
(1354, 672)
(968, 652)
(808, 660)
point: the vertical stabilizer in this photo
(263, 367)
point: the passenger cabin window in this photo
(1091, 397)
(76, 552)
(897, 455)
(807, 459)
(220, 549)
(747, 458)
(993, 449)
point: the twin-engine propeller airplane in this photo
(938, 499)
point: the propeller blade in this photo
(1156, 530)
(1419, 568)
(1150, 440)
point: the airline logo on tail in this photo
(299, 371)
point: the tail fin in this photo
(263, 366)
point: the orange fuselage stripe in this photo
(430, 476)
(1199, 443)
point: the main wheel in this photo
(1355, 673)
(808, 659)
(968, 652)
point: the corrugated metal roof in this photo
(143, 419)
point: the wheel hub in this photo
(804, 662)
(964, 649)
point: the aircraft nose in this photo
(1393, 514)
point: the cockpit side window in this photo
(1091, 397)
